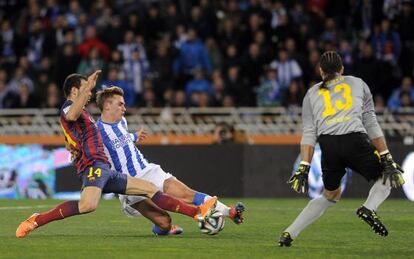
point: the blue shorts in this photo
(101, 176)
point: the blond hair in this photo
(103, 95)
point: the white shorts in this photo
(155, 175)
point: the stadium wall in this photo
(236, 170)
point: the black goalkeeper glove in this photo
(299, 181)
(391, 171)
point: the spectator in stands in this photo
(154, 23)
(214, 53)
(128, 45)
(7, 43)
(116, 61)
(293, 96)
(53, 97)
(74, 13)
(269, 92)
(219, 88)
(405, 24)
(369, 69)
(252, 69)
(345, 50)
(406, 100)
(36, 47)
(400, 94)
(136, 70)
(229, 34)
(228, 101)
(60, 26)
(68, 60)
(18, 79)
(92, 41)
(196, 85)
(237, 87)
(92, 63)
(149, 99)
(7, 99)
(161, 68)
(114, 79)
(25, 99)
(231, 58)
(379, 103)
(172, 18)
(387, 47)
(203, 100)
(288, 69)
(192, 55)
(114, 33)
(179, 99)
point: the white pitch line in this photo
(24, 207)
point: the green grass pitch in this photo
(107, 233)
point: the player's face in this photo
(116, 107)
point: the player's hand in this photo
(391, 171)
(299, 180)
(142, 135)
(93, 78)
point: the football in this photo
(213, 224)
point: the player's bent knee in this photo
(87, 207)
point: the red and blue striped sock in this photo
(63, 210)
(169, 203)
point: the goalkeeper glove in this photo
(299, 180)
(391, 171)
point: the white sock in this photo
(309, 214)
(220, 207)
(377, 194)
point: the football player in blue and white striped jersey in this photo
(124, 156)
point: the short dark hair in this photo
(330, 63)
(72, 80)
(107, 93)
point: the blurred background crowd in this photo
(206, 53)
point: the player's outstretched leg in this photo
(64, 210)
(235, 213)
(309, 214)
(371, 218)
(179, 190)
(172, 204)
(88, 202)
(137, 186)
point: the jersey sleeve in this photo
(369, 119)
(65, 108)
(309, 128)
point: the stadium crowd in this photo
(219, 53)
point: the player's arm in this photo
(137, 136)
(85, 92)
(299, 180)
(391, 170)
(140, 135)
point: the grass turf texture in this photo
(108, 233)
